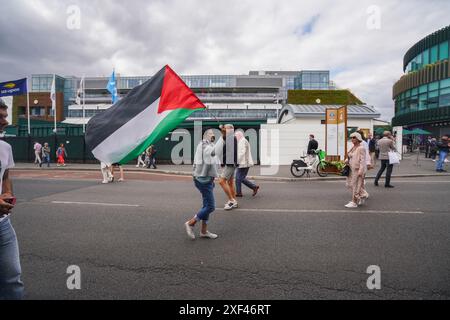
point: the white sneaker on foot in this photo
(208, 235)
(234, 203)
(351, 204)
(105, 182)
(189, 231)
(228, 206)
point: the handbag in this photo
(345, 171)
(393, 158)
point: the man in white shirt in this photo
(11, 287)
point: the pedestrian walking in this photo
(357, 160)
(37, 153)
(245, 162)
(369, 166)
(443, 148)
(204, 173)
(229, 164)
(433, 149)
(151, 152)
(141, 160)
(428, 148)
(46, 154)
(61, 154)
(385, 145)
(11, 286)
(119, 166)
(106, 173)
(372, 149)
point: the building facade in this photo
(257, 96)
(422, 95)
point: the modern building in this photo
(256, 97)
(422, 95)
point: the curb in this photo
(258, 178)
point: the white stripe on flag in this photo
(130, 135)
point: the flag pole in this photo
(54, 101)
(28, 109)
(83, 87)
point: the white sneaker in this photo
(351, 204)
(234, 203)
(228, 206)
(208, 235)
(121, 180)
(105, 182)
(189, 231)
(361, 201)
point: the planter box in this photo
(332, 169)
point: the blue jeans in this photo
(440, 162)
(209, 204)
(241, 178)
(46, 159)
(11, 288)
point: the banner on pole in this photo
(13, 88)
(336, 132)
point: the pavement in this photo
(410, 166)
(294, 240)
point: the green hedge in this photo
(327, 97)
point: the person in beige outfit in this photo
(356, 159)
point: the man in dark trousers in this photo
(385, 145)
(372, 148)
(313, 145)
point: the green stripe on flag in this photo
(162, 129)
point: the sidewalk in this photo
(409, 167)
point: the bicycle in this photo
(305, 165)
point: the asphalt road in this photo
(292, 241)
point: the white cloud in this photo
(220, 37)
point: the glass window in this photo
(419, 62)
(433, 94)
(414, 91)
(433, 86)
(423, 101)
(444, 101)
(426, 57)
(423, 89)
(434, 54)
(443, 51)
(445, 83)
(444, 91)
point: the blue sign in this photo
(13, 88)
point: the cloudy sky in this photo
(361, 42)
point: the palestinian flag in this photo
(147, 114)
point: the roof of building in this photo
(319, 109)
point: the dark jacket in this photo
(312, 145)
(443, 146)
(372, 145)
(230, 154)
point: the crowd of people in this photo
(232, 153)
(42, 155)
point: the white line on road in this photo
(96, 204)
(325, 211)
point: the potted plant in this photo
(334, 166)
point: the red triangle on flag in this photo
(176, 94)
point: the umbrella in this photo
(420, 131)
(406, 132)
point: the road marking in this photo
(97, 204)
(325, 211)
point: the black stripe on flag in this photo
(137, 100)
